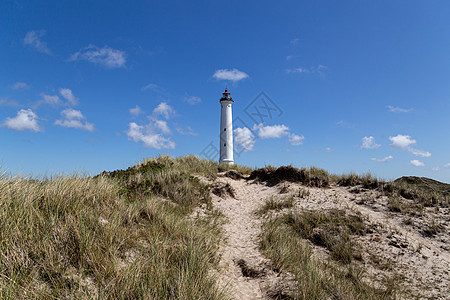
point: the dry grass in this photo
(109, 237)
(367, 180)
(276, 204)
(423, 191)
(283, 240)
(313, 177)
(287, 249)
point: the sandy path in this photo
(241, 234)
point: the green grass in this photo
(313, 177)
(421, 190)
(283, 242)
(109, 237)
(367, 180)
(331, 229)
(276, 204)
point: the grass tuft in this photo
(109, 237)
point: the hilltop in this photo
(187, 228)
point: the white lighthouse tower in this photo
(226, 129)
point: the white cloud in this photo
(232, 75)
(163, 109)
(320, 69)
(296, 140)
(187, 131)
(417, 163)
(33, 38)
(404, 142)
(369, 143)
(244, 138)
(268, 132)
(328, 149)
(106, 56)
(74, 119)
(398, 109)
(147, 136)
(20, 86)
(421, 153)
(193, 100)
(26, 119)
(68, 95)
(435, 168)
(297, 70)
(401, 141)
(136, 111)
(447, 165)
(162, 126)
(289, 57)
(51, 99)
(384, 159)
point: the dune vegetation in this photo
(131, 234)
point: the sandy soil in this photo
(393, 249)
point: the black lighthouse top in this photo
(226, 96)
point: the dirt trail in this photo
(240, 251)
(423, 262)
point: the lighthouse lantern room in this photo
(226, 130)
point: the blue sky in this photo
(359, 86)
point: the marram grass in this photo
(83, 238)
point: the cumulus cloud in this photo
(68, 95)
(152, 134)
(163, 109)
(296, 140)
(244, 138)
(20, 86)
(268, 132)
(33, 39)
(232, 75)
(74, 119)
(162, 126)
(369, 143)
(398, 109)
(136, 111)
(401, 141)
(148, 137)
(404, 142)
(25, 119)
(187, 131)
(417, 163)
(106, 56)
(384, 159)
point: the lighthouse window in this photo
(224, 145)
(224, 129)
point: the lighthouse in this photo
(226, 129)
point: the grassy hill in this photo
(129, 234)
